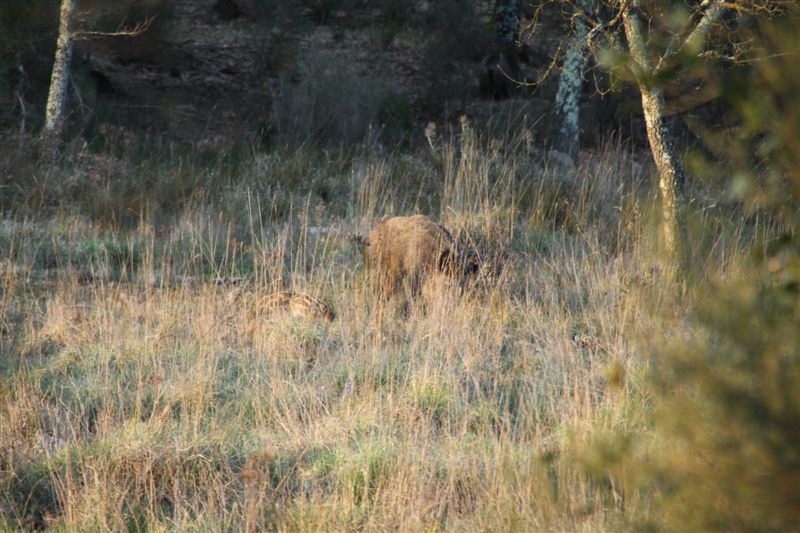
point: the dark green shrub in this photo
(457, 41)
(396, 114)
(726, 389)
(333, 104)
(396, 13)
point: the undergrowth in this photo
(138, 390)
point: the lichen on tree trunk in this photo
(506, 35)
(670, 171)
(506, 24)
(59, 81)
(566, 119)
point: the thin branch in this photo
(137, 30)
(550, 67)
(695, 37)
(711, 54)
(679, 38)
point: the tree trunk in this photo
(671, 175)
(59, 82)
(506, 38)
(501, 70)
(506, 25)
(566, 121)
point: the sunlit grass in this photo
(139, 391)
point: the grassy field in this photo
(140, 389)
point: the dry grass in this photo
(139, 392)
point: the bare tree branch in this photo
(689, 38)
(139, 29)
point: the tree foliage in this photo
(727, 399)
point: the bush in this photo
(457, 39)
(27, 39)
(396, 13)
(726, 388)
(730, 400)
(333, 104)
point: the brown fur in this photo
(405, 250)
(298, 304)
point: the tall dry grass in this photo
(138, 392)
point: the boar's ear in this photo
(447, 261)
